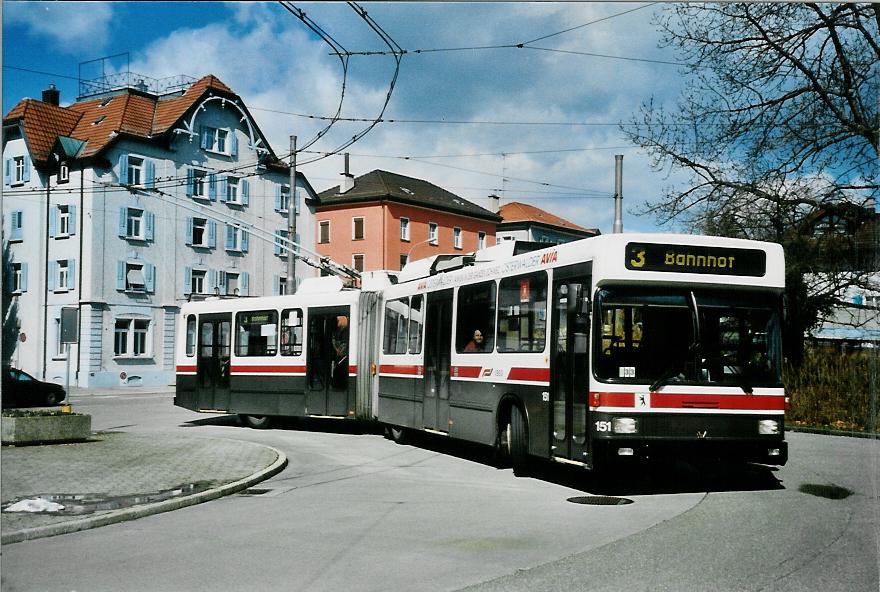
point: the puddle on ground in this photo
(89, 503)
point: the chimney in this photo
(141, 85)
(347, 183)
(494, 203)
(52, 95)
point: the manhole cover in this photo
(600, 500)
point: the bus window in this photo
(415, 324)
(191, 336)
(394, 339)
(475, 328)
(256, 333)
(291, 332)
(522, 313)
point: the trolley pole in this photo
(618, 194)
(291, 220)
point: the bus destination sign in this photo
(695, 259)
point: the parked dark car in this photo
(20, 389)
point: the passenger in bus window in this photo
(476, 344)
(340, 351)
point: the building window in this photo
(197, 282)
(60, 346)
(282, 245)
(236, 239)
(16, 170)
(456, 237)
(432, 232)
(17, 226)
(232, 284)
(63, 278)
(135, 171)
(282, 197)
(282, 286)
(216, 140)
(131, 338)
(199, 232)
(232, 190)
(324, 231)
(134, 277)
(481, 240)
(18, 281)
(357, 261)
(61, 275)
(404, 229)
(64, 220)
(403, 260)
(357, 229)
(134, 226)
(198, 181)
(63, 172)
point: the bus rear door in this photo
(438, 360)
(569, 363)
(215, 341)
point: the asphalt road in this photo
(354, 511)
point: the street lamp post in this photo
(433, 241)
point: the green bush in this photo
(832, 389)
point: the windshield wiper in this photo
(665, 378)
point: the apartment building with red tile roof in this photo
(526, 222)
(128, 202)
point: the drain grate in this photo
(255, 491)
(599, 500)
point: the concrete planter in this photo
(46, 429)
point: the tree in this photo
(9, 309)
(778, 129)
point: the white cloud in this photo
(76, 28)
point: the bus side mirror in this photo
(578, 301)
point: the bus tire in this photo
(518, 442)
(258, 422)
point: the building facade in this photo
(123, 205)
(524, 222)
(382, 220)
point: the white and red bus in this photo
(608, 348)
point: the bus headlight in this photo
(624, 425)
(768, 427)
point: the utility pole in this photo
(618, 194)
(291, 220)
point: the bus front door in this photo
(438, 346)
(569, 367)
(212, 373)
(327, 362)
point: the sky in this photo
(536, 124)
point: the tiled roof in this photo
(98, 121)
(520, 212)
(378, 185)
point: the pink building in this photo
(381, 220)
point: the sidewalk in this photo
(119, 476)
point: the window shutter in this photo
(24, 277)
(187, 280)
(212, 187)
(53, 271)
(122, 173)
(233, 143)
(190, 179)
(150, 277)
(120, 275)
(245, 240)
(123, 218)
(278, 198)
(7, 172)
(150, 171)
(72, 220)
(71, 274)
(221, 281)
(230, 236)
(212, 279)
(206, 131)
(277, 242)
(150, 226)
(27, 169)
(224, 194)
(53, 221)
(245, 284)
(276, 285)
(212, 234)
(17, 226)
(245, 187)
(189, 231)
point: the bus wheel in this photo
(518, 442)
(258, 422)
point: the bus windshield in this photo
(683, 336)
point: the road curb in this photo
(122, 515)
(831, 432)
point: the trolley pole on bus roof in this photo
(291, 220)
(617, 228)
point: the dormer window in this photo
(63, 172)
(220, 140)
(99, 120)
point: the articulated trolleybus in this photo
(592, 352)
